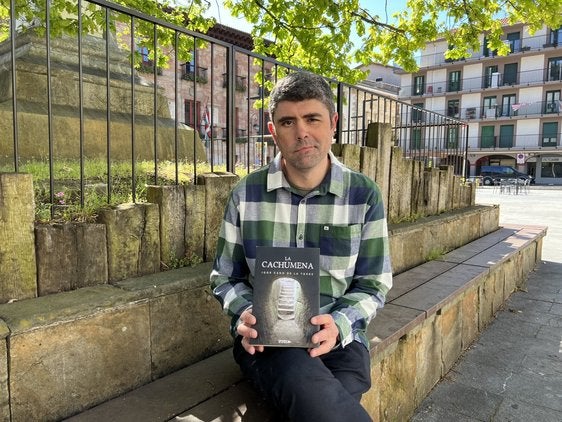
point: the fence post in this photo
(18, 268)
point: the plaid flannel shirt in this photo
(343, 216)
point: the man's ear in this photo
(271, 128)
(334, 120)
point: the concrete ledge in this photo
(433, 313)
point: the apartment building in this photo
(511, 103)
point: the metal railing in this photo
(545, 42)
(499, 112)
(167, 124)
(505, 143)
(489, 83)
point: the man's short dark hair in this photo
(300, 86)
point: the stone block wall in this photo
(407, 370)
(95, 343)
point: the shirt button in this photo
(301, 236)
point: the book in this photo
(286, 296)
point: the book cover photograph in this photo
(286, 296)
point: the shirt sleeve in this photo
(372, 278)
(230, 275)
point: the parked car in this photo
(491, 173)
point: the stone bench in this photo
(433, 313)
(87, 346)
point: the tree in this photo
(31, 15)
(317, 34)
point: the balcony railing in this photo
(486, 82)
(526, 44)
(511, 110)
(189, 72)
(239, 82)
(527, 142)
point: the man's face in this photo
(303, 132)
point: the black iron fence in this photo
(105, 110)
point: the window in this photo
(506, 136)
(192, 113)
(554, 37)
(514, 40)
(146, 64)
(551, 169)
(552, 102)
(419, 85)
(486, 52)
(510, 74)
(549, 134)
(453, 108)
(416, 139)
(452, 140)
(509, 107)
(491, 77)
(143, 51)
(487, 138)
(554, 69)
(192, 72)
(454, 81)
(417, 114)
(489, 107)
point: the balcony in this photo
(521, 46)
(498, 111)
(240, 84)
(147, 66)
(528, 142)
(189, 72)
(496, 80)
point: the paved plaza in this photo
(513, 372)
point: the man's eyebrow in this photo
(306, 116)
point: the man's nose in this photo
(301, 129)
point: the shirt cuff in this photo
(344, 328)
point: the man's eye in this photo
(286, 123)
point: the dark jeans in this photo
(326, 388)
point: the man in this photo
(306, 198)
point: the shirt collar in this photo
(333, 183)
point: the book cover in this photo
(286, 296)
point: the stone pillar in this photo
(195, 221)
(171, 203)
(70, 256)
(133, 240)
(379, 136)
(448, 182)
(18, 270)
(418, 183)
(431, 190)
(369, 162)
(4, 390)
(217, 189)
(351, 156)
(400, 194)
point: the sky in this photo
(375, 7)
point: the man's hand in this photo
(247, 332)
(327, 337)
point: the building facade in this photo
(511, 103)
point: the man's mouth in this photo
(305, 148)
